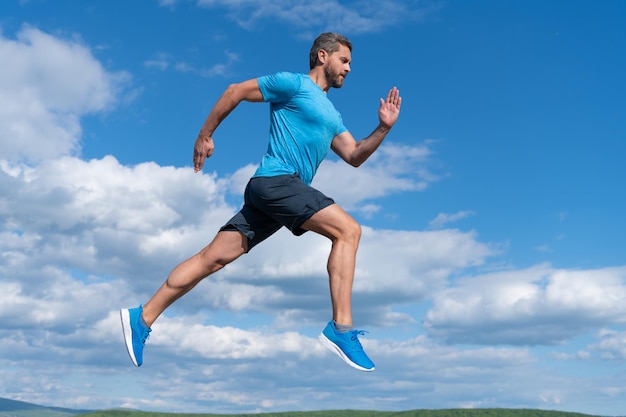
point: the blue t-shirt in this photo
(303, 123)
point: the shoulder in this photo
(281, 79)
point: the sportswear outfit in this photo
(303, 123)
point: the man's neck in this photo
(318, 77)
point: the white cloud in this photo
(47, 84)
(163, 61)
(104, 218)
(611, 344)
(392, 169)
(214, 342)
(444, 218)
(352, 17)
(538, 305)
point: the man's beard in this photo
(333, 79)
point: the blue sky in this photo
(491, 271)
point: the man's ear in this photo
(322, 56)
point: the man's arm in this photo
(234, 94)
(355, 153)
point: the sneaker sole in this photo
(334, 348)
(128, 335)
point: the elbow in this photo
(235, 93)
(356, 159)
(231, 90)
(356, 162)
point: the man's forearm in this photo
(222, 108)
(367, 146)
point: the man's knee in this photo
(354, 230)
(349, 230)
(334, 223)
(225, 248)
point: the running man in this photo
(304, 126)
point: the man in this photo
(304, 125)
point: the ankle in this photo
(343, 327)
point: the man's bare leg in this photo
(224, 249)
(345, 233)
(137, 322)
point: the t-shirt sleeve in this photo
(279, 87)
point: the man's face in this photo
(338, 66)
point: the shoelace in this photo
(145, 337)
(355, 338)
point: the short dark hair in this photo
(328, 42)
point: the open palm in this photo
(390, 108)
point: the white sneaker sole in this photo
(334, 348)
(128, 334)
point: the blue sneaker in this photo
(135, 333)
(347, 346)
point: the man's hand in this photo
(202, 149)
(390, 109)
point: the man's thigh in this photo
(331, 222)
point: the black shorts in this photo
(273, 202)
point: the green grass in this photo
(478, 412)
(11, 408)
